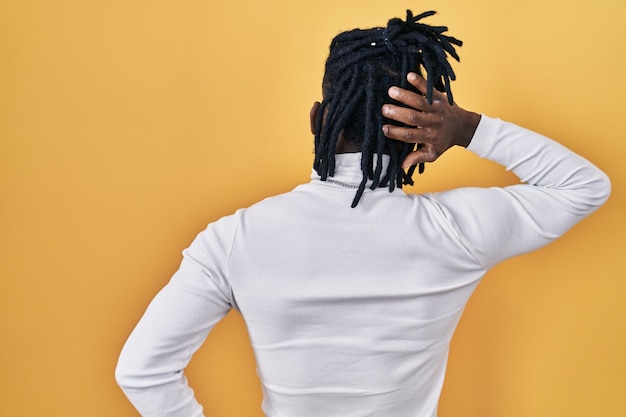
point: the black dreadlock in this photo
(362, 65)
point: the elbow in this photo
(136, 372)
(602, 189)
(591, 194)
(607, 187)
(129, 373)
(124, 375)
(592, 187)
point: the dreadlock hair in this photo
(362, 65)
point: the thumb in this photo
(424, 153)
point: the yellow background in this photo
(126, 126)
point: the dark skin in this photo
(435, 127)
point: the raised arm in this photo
(560, 189)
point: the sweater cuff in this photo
(484, 137)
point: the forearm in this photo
(542, 162)
(170, 400)
(178, 320)
(150, 366)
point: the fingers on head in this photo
(422, 85)
(404, 115)
(417, 81)
(407, 97)
(404, 134)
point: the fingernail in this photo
(412, 76)
(385, 130)
(393, 92)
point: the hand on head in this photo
(434, 127)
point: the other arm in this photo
(175, 324)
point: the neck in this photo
(345, 146)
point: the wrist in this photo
(469, 125)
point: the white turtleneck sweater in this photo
(350, 311)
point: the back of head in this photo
(361, 67)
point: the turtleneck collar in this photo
(348, 169)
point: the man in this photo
(350, 288)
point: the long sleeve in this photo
(350, 311)
(560, 189)
(175, 324)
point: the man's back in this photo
(350, 311)
(349, 306)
